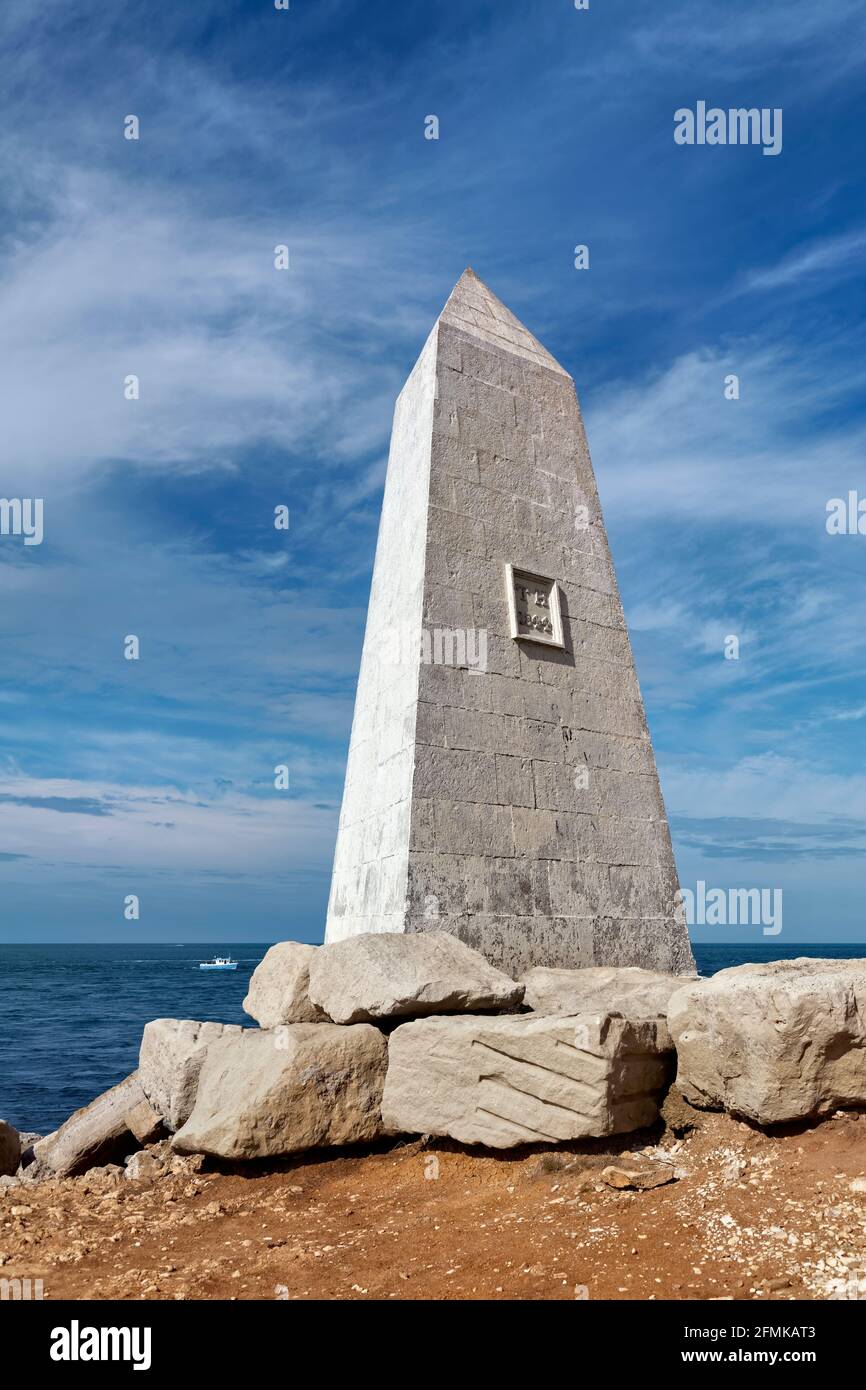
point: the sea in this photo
(71, 1016)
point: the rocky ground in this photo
(737, 1213)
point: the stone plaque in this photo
(533, 606)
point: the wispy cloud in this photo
(849, 714)
(777, 842)
(837, 256)
(60, 823)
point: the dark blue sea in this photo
(71, 1016)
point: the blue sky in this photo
(261, 388)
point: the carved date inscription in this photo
(533, 603)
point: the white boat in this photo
(218, 963)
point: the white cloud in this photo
(672, 448)
(230, 353)
(767, 786)
(154, 830)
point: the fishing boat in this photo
(218, 963)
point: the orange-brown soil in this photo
(750, 1215)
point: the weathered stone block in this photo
(618, 940)
(279, 986)
(521, 1080)
(515, 785)
(541, 835)
(775, 1042)
(264, 1094)
(455, 774)
(628, 991)
(391, 976)
(170, 1060)
(472, 828)
(145, 1123)
(97, 1134)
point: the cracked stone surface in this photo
(508, 1081)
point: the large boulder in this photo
(170, 1062)
(525, 1079)
(279, 989)
(397, 975)
(606, 989)
(97, 1134)
(305, 1086)
(775, 1042)
(10, 1149)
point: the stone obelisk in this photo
(501, 782)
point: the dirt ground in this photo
(743, 1214)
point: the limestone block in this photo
(96, 1134)
(279, 987)
(466, 828)
(390, 976)
(622, 940)
(437, 886)
(514, 780)
(627, 991)
(264, 1094)
(541, 834)
(775, 1042)
(170, 1061)
(144, 1122)
(523, 1079)
(455, 774)
(547, 704)
(577, 889)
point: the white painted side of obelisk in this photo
(512, 800)
(370, 879)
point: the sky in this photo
(261, 388)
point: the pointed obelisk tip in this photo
(465, 280)
(473, 308)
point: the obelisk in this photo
(501, 782)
